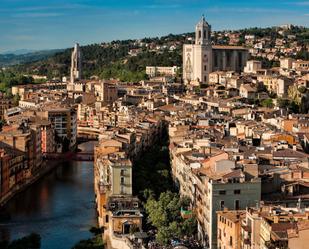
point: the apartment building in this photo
(64, 122)
(300, 65)
(25, 139)
(106, 92)
(118, 209)
(273, 226)
(5, 104)
(210, 179)
(229, 229)
(12, 168)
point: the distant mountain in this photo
(18, 52)
(19, 57)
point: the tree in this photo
(33, 241)
(164, 214)
(302, 55)
(302, 89)
(16, 99)
(93, 243)
(267, 103)
(261, 87)
(283, 103)
(294, 107)
(294, 94)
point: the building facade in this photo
(202, 58)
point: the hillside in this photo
(122, 59)
(10, 59)
(127, 59)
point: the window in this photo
(122, 190)
(122, 180)
(237, 204)
(205, 68)
(199, 34)
(222, 205)
(219, 233)
(231, 241)
(222, 192)
(237, 192)
(106, 219)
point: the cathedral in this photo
(202, 58)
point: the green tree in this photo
(267, 103)
(93, 243)
(283, 103)
(164, 214)
(293, 107)
(302, 89)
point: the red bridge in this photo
(71, 156)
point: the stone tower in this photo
(203, 33)
(76, 64)
(197, 58)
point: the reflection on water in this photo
(60, 207)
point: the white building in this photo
(253, 66)
(161, 71)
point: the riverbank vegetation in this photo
(33, 241)
(96, 242)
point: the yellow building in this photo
(118, 209)
(229, 229)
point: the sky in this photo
(50, 24)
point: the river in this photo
(60, 207)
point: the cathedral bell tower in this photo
(203, 33)
(197, 57)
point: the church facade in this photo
(202, 58)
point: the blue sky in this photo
(45, 24)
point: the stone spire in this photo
(76, 64)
